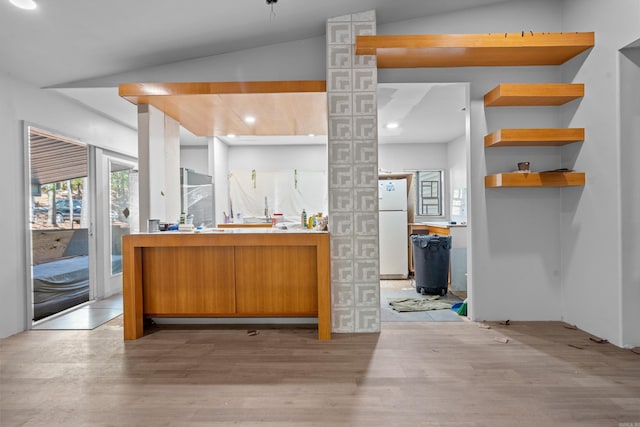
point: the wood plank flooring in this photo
(411, 374)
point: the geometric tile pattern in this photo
(353, 176)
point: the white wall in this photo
(172, 203)
(457, 166)
(513, 230)
(278, 157)
(392, 157)
(629, 189)
(159, 166)
(592, 270)
(403, 157)
(219, 169)
(195, 157)
(49, 110)
(456, 158)
(296, 60)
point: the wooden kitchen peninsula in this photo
(226, 273)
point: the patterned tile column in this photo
(353, 176)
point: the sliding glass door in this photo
(60, 234)
(82, 200)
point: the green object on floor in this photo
(462, 311)
(417, 304)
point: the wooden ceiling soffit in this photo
(473, 50)
(218, 108)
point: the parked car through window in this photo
(62, 211)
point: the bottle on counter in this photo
(316, 219)
(276, 218)
(303, 218)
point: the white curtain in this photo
(286, 192)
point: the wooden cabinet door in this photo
(276, 280)
(188, 280)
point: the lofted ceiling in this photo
(82, 42)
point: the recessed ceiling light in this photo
(392, 125)
(231, 135)
(311, 134)
(24, 4)
(249, 120)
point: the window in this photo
(430, 185)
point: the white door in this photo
(117, 215)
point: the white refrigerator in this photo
(392, 206)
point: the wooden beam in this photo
(134, 91)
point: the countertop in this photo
(241, 231)
(439, 224)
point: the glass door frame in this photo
(107, 284)
(29, 287)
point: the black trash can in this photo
(431, 254)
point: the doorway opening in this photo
(423, 130)
(59, 223)
(82, 200)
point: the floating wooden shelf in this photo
(539, 94)
(535, 179)
(473, 50)
(533, 137)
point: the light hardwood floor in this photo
(410, 374)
